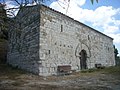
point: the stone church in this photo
(46, 42)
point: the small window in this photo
(71, 46)
(49, 51)
(88, 37)
(61, 28)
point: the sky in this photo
(103, 16)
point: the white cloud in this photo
(57, 6)
(102, 17)
(116, 37)
(10, 4)
(61, 5)
(110, 29)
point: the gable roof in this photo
(76, 21)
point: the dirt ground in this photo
(93, 79)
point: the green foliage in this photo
(112, 70)
(115, 51)
(117, 58)
(106, 70)
(3, 23)
(118, 61)
(89, 70)
(2, 40)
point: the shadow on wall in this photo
(3, 50)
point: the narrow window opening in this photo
(88, 37)
(49, 51)
(61, 28)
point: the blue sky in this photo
(103, 16)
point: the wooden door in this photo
(83, 59)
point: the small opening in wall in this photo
(61, 28)
(71, 46)
(88, 37)
(49, 51)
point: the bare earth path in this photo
(104, 79)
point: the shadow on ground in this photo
(93, 79)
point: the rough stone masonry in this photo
(42, 39)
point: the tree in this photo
(117, 58)
(3, 22)
(115, 51)
(92, 1)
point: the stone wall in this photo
(62, 39)
(42, 39)
(24, 39)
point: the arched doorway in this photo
(83, 59)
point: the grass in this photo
(5, 68)
(8, 68)
(2, 40)
(11, 72)
(107, 70)
(20, 79)
(89, 70)
(112, 70)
